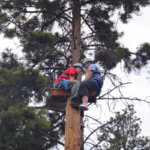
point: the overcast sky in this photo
(136, 32)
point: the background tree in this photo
(45, 28)
(122, 132)
(23, 127)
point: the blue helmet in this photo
(87, 60)
(78, 65)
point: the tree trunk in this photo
(72, 128)
(73, 136)
(76, 37)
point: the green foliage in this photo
(22, 127)
(10, 33)
(109, 59)
(21, 83)
(103, 27)
(122, 132)
(143, 55)
(50, 9)
(8, 60)
(38, 45)
(3, 18)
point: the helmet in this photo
(78, 65)
(87, 60)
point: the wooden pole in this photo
(73, 118)
(72, 128)
(76, 29)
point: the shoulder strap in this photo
(98, 86)
(60, 83)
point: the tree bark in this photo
(73, 136)
(76, 33)
(72, 128)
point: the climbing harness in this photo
(60, 83)
(99, 86)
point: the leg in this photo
(85, 88)
(73, 87)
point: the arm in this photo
(88, 75)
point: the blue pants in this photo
(86, 87)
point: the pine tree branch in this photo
(67, 31)
(32, 11)
(96, 146)
(56, 126)
(51, 138)
(67, 17)
(45, 107)
(94, 45)
(87, 37)
(86, 22)
(138, 54)
(56, 121)
(121, 84)
(127, 98)
(95, 131)
(87, 2)
(93, 119)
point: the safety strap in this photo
(98, 86)
(60, 83)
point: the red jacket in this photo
(66, 74)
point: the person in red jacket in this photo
(68, 82)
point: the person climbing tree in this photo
(93, 82)
(68, 82)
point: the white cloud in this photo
(136, 31)
(12, 44)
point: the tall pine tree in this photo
(47, 32)
(123, 132)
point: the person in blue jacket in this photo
(93, 81)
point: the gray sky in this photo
(136, 32)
